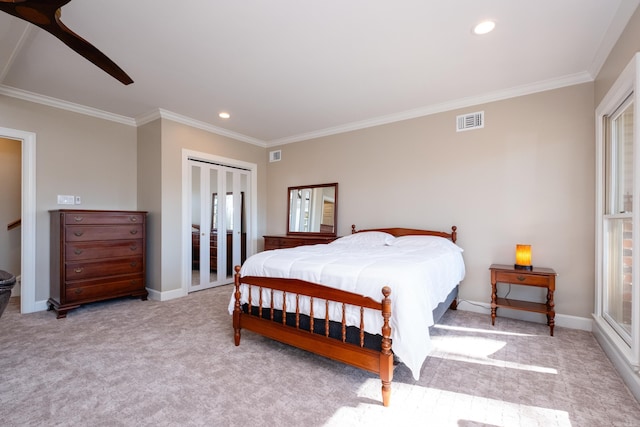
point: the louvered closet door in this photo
(218, 235)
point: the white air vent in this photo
(275, 156)
(470, 121)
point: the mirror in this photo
(313, 209)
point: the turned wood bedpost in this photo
(237, 311)
(386, 356)
(454, 234)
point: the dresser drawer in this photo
(80, 233)
(525, 279)
(103, 268)
(106, 218)
(103, 249)
(100, 289)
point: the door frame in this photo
(28, 219)
(251, 210)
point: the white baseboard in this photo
(562, 320)
(166, 295)
(41, 306)
(153, 294)
(630, 376)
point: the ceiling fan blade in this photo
(46, 15)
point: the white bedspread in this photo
(420, 277)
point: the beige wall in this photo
(166, 235)
(10, 191)
(526, 177)
(150, 195)
(75, 155)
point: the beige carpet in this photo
(147, 363)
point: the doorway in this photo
(28, 302)
(11, 190)
(218, 211)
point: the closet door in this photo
(218, 213)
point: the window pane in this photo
(617, 298)
(620, 162)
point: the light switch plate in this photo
(65, 200)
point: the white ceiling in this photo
(289, 70)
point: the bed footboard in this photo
(264, 321)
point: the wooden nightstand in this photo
(540, 277)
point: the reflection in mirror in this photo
(229, 211)
(313, 209)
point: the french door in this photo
(219, 195)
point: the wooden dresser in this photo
(280, 242)
(96, 255)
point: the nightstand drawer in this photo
(520, 278)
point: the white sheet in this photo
(420, 277)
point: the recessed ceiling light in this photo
(484, 27)
(224, 115)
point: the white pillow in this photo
(365, 238)
(424, 242)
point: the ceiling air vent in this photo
(470, 121)
(275, 156)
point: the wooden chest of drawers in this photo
(280, 242)
(96, 255)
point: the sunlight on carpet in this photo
(412, 404)
(485, 331)
(478, 350)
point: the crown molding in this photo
(529, 89)
(165, 114)
(64, 105)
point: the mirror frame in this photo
(334, 233)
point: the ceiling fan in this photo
(46, 15)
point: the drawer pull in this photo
(520, 278)
(78, 270)
(134, 282)
(78, 251)
(78, 218)
(133, 248)
(78, 291)
(133, 219)
(78, 233)
(133, 232)
(133, 263)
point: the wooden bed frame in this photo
(271, 323)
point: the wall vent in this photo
(470, 121)
(275, 156)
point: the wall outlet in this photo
(78, 200)
(65, 200)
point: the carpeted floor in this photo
(146, 363)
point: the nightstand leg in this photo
(551, 313)
(494, 299)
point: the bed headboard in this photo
(397, 232)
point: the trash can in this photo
(7, 281)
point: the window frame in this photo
(627, 85)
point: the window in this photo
(617, 303)
(618, 219)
